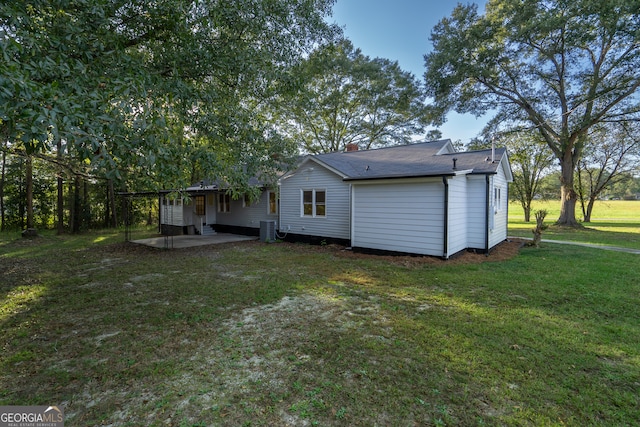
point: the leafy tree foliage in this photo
(148, 88)
(530, 159)
(561, 66)
(613, 155)
(349, 98)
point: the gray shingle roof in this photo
(413, 160)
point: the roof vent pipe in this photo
(493, 149)
(454, 163)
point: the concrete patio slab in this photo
(189, 241)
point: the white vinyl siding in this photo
(499, 231)
(310, 176)
(476, 211)
(247, 216)
(402, 217)
(457, 225)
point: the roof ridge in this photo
(413, 144)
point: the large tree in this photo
(145, 88)
(562, 66)
(345, 97)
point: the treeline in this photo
(627, 188)
(64, 201)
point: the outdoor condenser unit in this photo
(267, 231)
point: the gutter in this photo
(403, 176)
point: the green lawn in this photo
(614, 223)
(254, 334)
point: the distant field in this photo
(614, 223)
(603, 210)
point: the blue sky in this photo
(399, 30)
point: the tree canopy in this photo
(151, 88)
(559, 66)
(612, 156)
(345, 97)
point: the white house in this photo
(421, 198)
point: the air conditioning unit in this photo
(267, 231)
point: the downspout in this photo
(446, 218)
(507, 199)
(351, 215)
(486, 228)
(160, 213)
(278, 206)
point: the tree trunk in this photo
(77, 209)
(150, 217)
(540, 227)
(60, 207)
(22, 196)
(2, 177)
(72, 210)
(526, 207)
(107, 207)
(60, 182)
(86, 206)
(112, 204)
(568, 195)
(589, 210)
(29, 191)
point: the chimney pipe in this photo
(454, 163)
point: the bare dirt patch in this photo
(501, 252)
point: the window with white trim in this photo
(497, 198)
(314, 203)
(224, 202)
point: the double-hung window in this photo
(273, 203)
(314, 203)
(224, 202)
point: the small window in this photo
(246, 201)
(199, 203)
(273, 203)
(497, 198)
(224, 202)
(314, 203)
